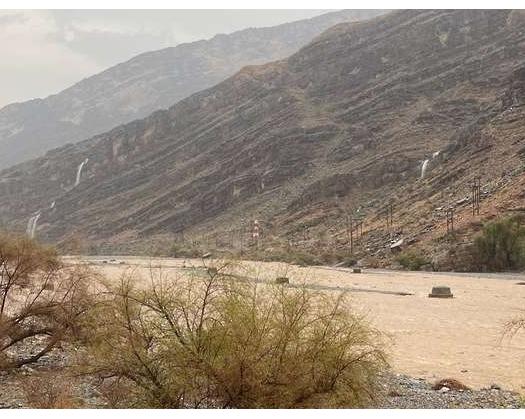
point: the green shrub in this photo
(501, 245)
(210, 341)
(412, 260)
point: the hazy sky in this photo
(45, 51)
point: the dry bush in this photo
(209, 340)
(49, 391)
(514, 326)
(40, 300)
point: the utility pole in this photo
(351, 235)
(349, 227)
(476, 195)
(450, 220)
(388, 213)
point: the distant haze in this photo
(45, 51)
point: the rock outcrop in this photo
(146, 83)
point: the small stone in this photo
(444, 389)
(495, 387)
(25, 370)
(282, 280)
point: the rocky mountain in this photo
(407, 108)
(151, 81)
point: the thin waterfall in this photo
(424, 168)
(435, 154)
(31, 225)
(52, 205)
(79, 171)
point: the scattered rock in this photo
(397, 245)
(26, 370)
(450, 384)
(418, 394)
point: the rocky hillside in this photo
(146, 83)
(407, 109)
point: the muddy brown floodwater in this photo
(432, 338)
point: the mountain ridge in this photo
(145, 83)
(349, 116)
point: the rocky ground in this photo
(398, 391)
(403, 392)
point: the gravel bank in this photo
(403, 392)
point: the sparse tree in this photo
(40, 300)
(212, 340)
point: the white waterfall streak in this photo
(424, 168)
(79, 171)
(31, 225)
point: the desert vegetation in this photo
(412, 260)
(500, 246)
(40, 300)
(209, 340)
(205, 338)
